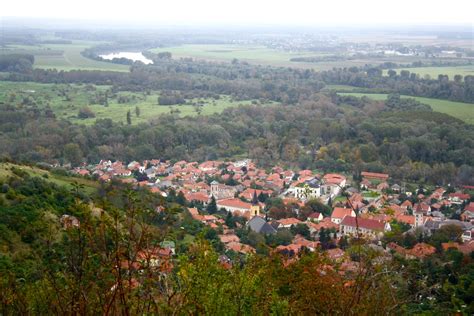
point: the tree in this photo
(180, 199)
(129, 118)
(73, 153)
(137, 111)
(211, 208)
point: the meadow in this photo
(64, 56)
(460, 110)
(66, 100)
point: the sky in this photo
(249, 12)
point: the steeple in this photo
(255, 198)
(418, 213)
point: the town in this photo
(252, 209)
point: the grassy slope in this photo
(45, 94)
(64, 57)
(89, 185)
(463, 111)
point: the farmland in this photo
(250, 53)
(433, 72)
(267, 56)
(63, 56)
(66, 100)
(463, 111)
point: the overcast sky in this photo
(244, 12)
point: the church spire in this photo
(254, 198)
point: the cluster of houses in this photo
(240, 187)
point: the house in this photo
(406, 205)
(422, 207)
(306, 189)
(336, 254)
(367, 227)
(225, 239)
(333, 184)
(468, 214)
(290, 250)
(234, 205)
(339, 213)
(222, 191)
(458, 198)
(326, 223)
(315, 217)
(468, 235)
(466, 248)
(197, 197)
(240, 248)
(419, 251)
(168, 244)
(249, 193)
(287, 222)
(303, 242)
(156, 258)
(261, 226)
(396, 188)
(150, 173)
(374, 176)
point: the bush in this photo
(85, 113)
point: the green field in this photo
(460, 110)
(249, 53)
(89, 185)
(66, 100)
(63, 56)
(433, 72)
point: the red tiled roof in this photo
(225, 239)
(460, 196)
(340, 212)
(374, 175)
(237, 203)
(363, 223)
(334, 178)
(422, 250)
(289, 221)
(470, 207)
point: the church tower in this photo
(418, 213)
(255, 209)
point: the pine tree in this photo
(212, 206)
(129, 118)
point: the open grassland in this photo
(64, 56)
(66, 100)
(89, 186)
(460, 110)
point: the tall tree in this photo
(212, 206)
